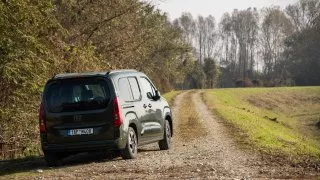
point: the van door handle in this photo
(127, 106)
(145, 106)
(150, 106)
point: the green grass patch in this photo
(170, 96)
(274, 120)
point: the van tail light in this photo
(42, 122)
(117, 119)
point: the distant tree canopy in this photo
(272, 46)
(303, 47)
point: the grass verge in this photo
(277, 121)
(170, 96)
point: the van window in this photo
(147, 86)
(125, 91)
(77, 95)
(136, 93)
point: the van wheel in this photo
(52, 159)
(131, 150)
(166, 142)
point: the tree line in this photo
(266, 47)
(41, 38)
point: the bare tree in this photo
(211, 36)
(206, 37)
(188, 26)
(275, 28)
(201, 37)
(303, 13)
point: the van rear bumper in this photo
(82, 146)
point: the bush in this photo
(243, 83)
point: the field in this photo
(278, 121)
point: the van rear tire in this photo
(131, 149)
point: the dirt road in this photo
(214, 155)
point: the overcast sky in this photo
(214, 7)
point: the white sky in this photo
(214, 7)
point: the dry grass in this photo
(190, 125)
(299, 106)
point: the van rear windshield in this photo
(77, 95)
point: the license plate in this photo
(78, 132)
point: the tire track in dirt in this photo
(224, 153)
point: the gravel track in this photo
(213, 156)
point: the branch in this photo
(98, 25)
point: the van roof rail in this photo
(122, 70)
(68, 75)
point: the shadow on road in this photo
(148, 150)
(32, 164)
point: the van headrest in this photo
(86, 95)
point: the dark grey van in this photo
(116, 110)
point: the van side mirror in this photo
(157, 96)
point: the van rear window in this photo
(77, 95)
